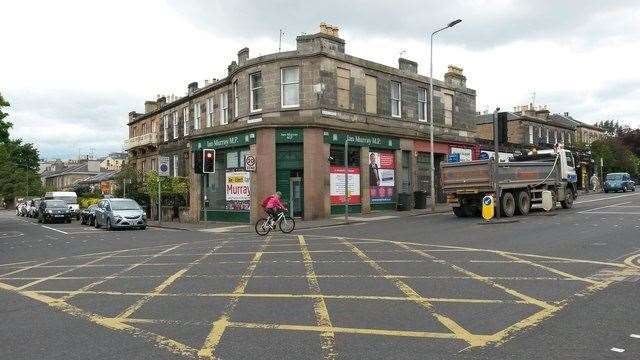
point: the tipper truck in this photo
(521, 181)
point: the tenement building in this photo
(295, 112)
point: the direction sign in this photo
(250, 163)
(163, 166)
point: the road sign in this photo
(455, 157)
(163, 166)
(488, 208)
(250, 163)
(484, 156)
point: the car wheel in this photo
(96, 224)
(107, 226)
(92, 221)
(459, 211)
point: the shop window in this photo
(221, 189)
(337, 156)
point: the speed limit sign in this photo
(250, 163)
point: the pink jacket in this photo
(274, 203)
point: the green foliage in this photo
(169, 186)
(129, 179)
(85, 202)
(4, 125)
(617, 156)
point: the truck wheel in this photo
(523, 202)
(459, 211)
(568, 201)
(507, 204)
(470, 211)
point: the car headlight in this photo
(49, 212)
(144, 216)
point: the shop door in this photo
(289, 165)
(424, 175)
(296, 204)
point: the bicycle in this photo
(285, 222)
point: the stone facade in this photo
(320, 60)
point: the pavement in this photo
(336, 220)
(560, 285)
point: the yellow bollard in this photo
(488, 207)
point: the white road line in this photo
(613, 212)
(635, 336)
(603, 207)
(54, 229)
(604, 198)
(618, 350)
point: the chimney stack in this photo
(454, 76)
(162, 101)
(325, 40)
(150, 106)
(408, 65)
(243, 56)
(191, 88)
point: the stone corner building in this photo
(293, 111)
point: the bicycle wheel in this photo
(287, 224)
(262, 227)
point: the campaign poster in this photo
(382, 179)
(238, 190)
(336, 185)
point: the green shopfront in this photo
(371, 161)
(290, 169)
(226, 193)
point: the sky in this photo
(73, 70)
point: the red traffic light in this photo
(209, 161)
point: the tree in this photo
(131, 180)
(4, 125)
(616, 156)
(19, 163)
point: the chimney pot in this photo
(408, 65)
(191, 88)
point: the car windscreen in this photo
(68, 199)
(56, 203)
(614, 176)
(124, 205)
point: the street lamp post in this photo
(433, 169)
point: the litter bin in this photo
(420, 199)
(404, 202)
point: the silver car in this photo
(117, 213)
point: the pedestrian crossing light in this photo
(208, 161)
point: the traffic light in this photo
(197, 162)
(208, 161)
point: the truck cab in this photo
(567, 165)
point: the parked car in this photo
(619, 182)
(120, 213)
(54, 210)
(88, 215)
(69, 197)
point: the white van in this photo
(69, 197)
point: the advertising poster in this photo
(382, 179)
(238, 190)
(465, 154)
(336, 185)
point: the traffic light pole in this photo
(346, 181)
(159, 202)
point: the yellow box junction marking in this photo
(458, 330)
(220, 325)
(166, 283)
(319, 306)
(548, 268)
(116, 274)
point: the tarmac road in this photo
(546, 286)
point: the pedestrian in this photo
(595, 183)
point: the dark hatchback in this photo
(88, 215)
(54, 211)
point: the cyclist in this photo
(273, 205)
